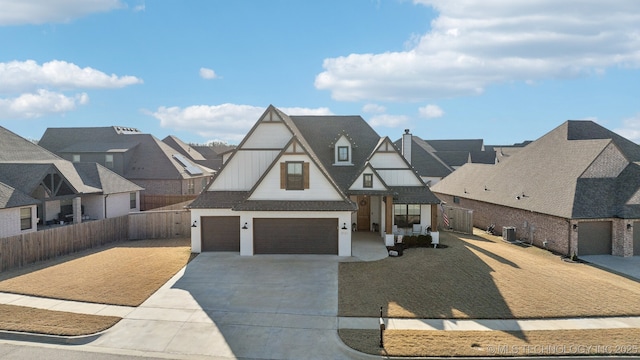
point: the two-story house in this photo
(302, 184)
(39, 187)
(166, 175)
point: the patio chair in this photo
(417, 229)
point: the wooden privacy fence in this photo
(159, 224)
(153, 202)
(460, 220)
(20, 250)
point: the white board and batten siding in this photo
(395, 177)
(319, 187)
(268, 135)
(359, 182)
(244, 170)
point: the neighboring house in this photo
(209, 156)
(166, 175)
(301, 184)
(435, 159)
(423, 158)
(39, 187)
(576, 190)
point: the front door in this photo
(364, 213)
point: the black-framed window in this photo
(295, 178)
(405, 215)
(25, 219)
(367, 180)
(343, 153)
(132, 200)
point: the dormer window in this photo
(343, 153)
(342, 149)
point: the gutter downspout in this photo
(105, 205)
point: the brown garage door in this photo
(220, 233)
(295, 236)
(594, 238)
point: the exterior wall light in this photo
(245, 226)
(195, 223)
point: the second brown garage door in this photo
(220, 233)
(295, 236)
(594, 238)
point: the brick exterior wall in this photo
(557, 232)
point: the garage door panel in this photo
(295, 236)
(220, 233)
(594, 238)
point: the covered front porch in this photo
(387, 215)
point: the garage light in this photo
(195, 224)
(245, 226)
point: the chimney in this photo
(406, 145)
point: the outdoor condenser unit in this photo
(509, 233)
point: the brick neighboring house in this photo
(301, 184)
(39, 187)
(166, 175)
(576, 190)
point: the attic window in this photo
(343, 153)
(367, 180)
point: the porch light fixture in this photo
(344, 226)
(575, 227)
(245, 226)
(195, 223)
(629, 226)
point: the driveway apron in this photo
(228, 306)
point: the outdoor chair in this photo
(417, 229)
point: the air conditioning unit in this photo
(509, 233)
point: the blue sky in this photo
(500, 70)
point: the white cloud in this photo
(373, 108)
(208, 74)
(225, 122)
(17, 76)
(630, 128)
(430, 111)
(475, 44)
(386, 120)
(19, 12)
(41, 103)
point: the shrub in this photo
(410, 241)
(423, 240)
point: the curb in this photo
(50, 339)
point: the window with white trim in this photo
(26, 221)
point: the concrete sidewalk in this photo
(491, 324)
(353, 322)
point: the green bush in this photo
(424, 240)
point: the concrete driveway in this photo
(227, 306)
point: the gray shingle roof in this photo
(12, 197)
(545, 176)
(321, 131)
(149, 159)
(271, 205)
(16, 148)
(218, 199)
(466, 145)
(98, 176)
(183, 148)
(23, 165)
(423, 159)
